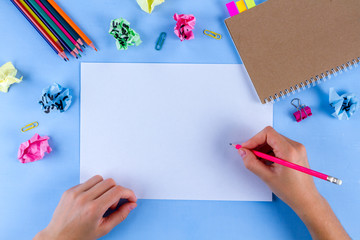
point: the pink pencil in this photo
(59, 25)
(293, 166)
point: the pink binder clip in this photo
(302, 110)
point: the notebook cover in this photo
(286, 44)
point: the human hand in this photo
(295, 188)
(80, 212)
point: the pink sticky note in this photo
(34, 149)
(185, 23)
(233, 10)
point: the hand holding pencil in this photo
(295, 188)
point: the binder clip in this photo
(302, 110)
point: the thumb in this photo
(120, 215)
(256, 166)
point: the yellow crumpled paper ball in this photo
(148, 5)
(8, 76)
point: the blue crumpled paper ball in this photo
(345, 105)
(55, 97)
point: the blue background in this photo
(30, 192)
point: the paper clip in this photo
(30, 126)
(212, 34)
(160, 41)
(302, 110)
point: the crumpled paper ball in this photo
(185, 23)
(34, 149)
(149, 5)
(8, 76)
(55, 97)
(123, 34)
(345, 105)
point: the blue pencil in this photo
(22, 9)
(51, 29)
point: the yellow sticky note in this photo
(250, 3)
(241, 6)
(8, 76)
(148, 5)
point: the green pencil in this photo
(58, 17)
(53, 25)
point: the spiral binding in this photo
(313, 81)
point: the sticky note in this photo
(241, 6)
(231, 6)
(250, 3)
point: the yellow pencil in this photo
(42, 24)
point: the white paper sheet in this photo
(164, 130)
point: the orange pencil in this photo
(72, 24)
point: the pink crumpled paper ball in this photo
(185, 23)
(34, 149)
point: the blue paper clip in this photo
(160, 41)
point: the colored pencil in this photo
(63, 43)
(47, 19)
(40, 29)
(72, 24)
(59, 25)
(58, 17)
(293, 166)
(41, 23)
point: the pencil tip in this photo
(83, 46)
(230, 144)
(77, 57)
(95, 49)
(81, 50)
(67, 59)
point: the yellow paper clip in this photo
(30, 126)
(212, 34)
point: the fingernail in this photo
(132, 207)
(242, 153)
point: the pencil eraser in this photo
(231, 6)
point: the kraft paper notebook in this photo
(289, 45)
